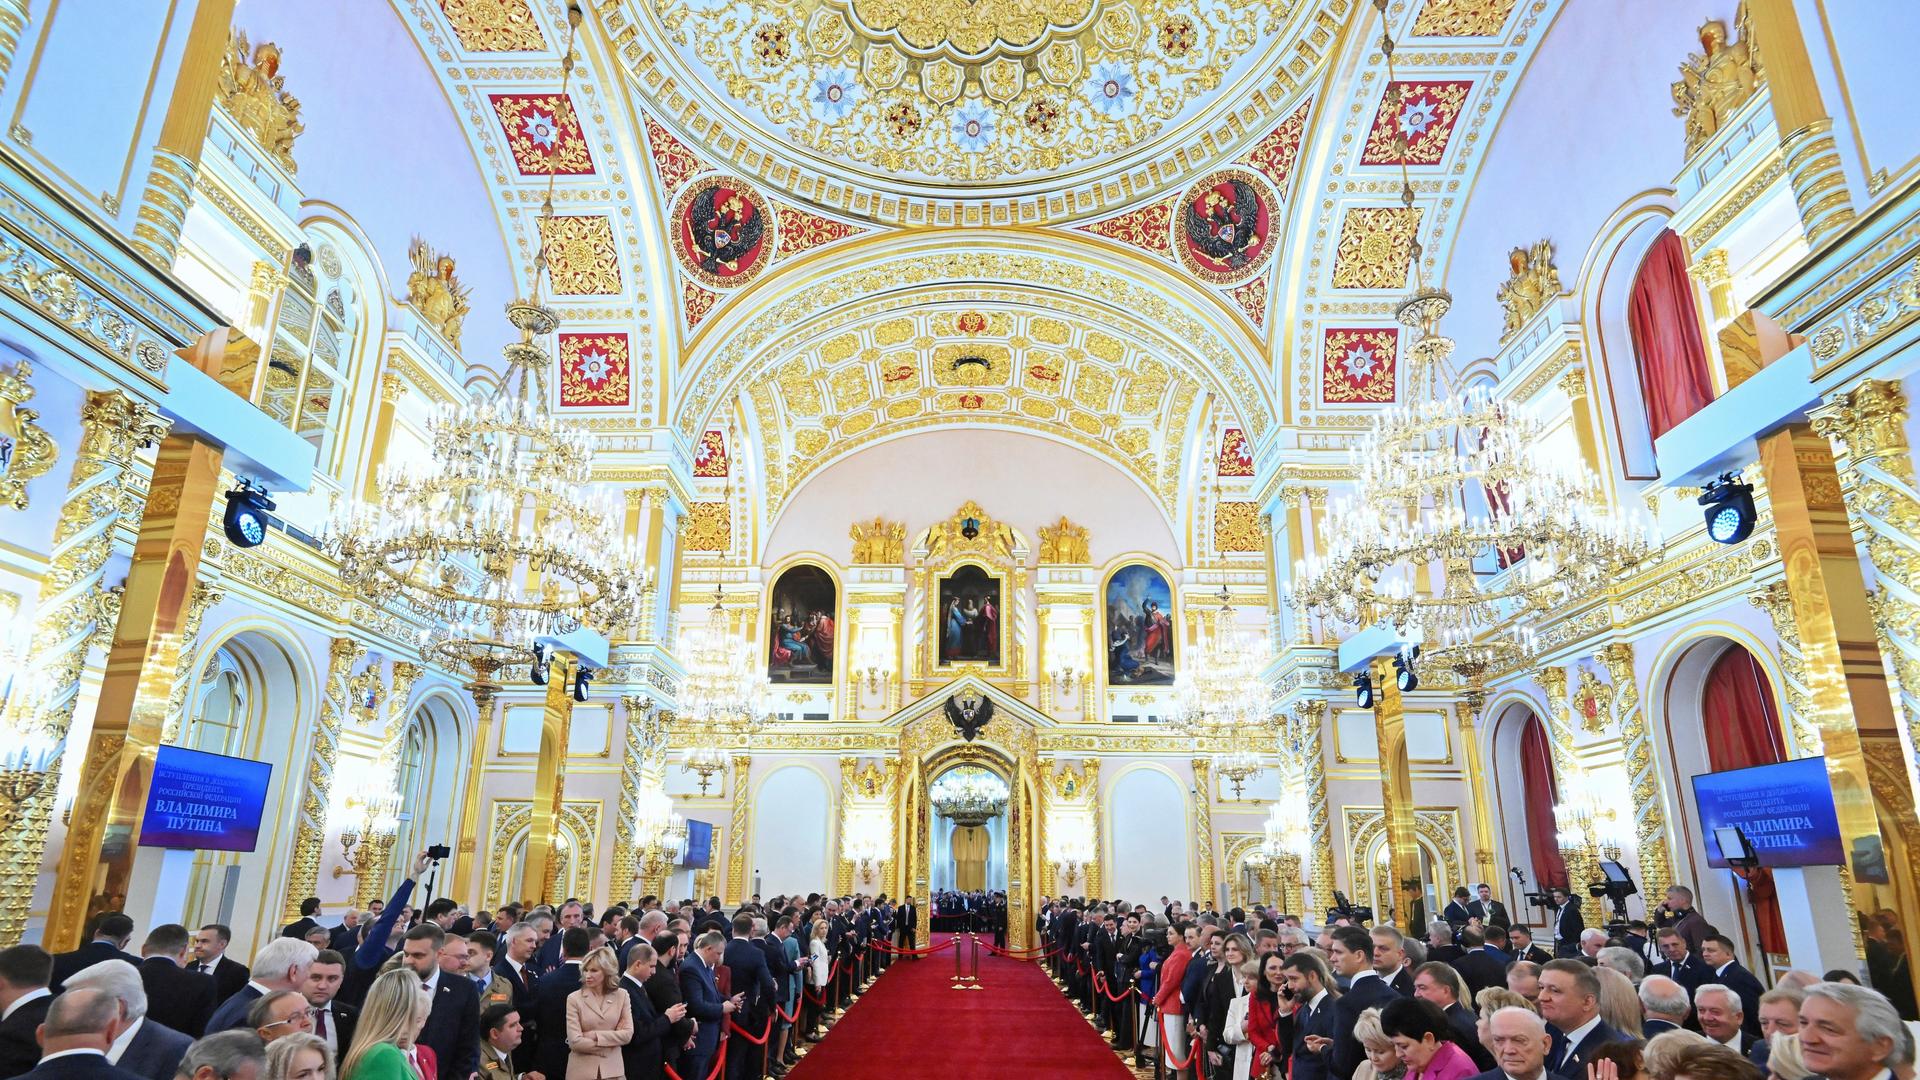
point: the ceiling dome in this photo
(899, 105)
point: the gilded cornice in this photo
(1703, 234)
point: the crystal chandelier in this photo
(1222, 695)
(1241, 761)
(1452, 480)
(504, 493)
(724, 698)
(969, 796)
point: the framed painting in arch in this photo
(971, 617)
(1139, 641)
(801, 635)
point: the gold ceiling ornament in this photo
(1717, 80)
(1534, 282)
(988, 90)
(878, 542)
(26, 451)
(435, 292)
(1064, 543)
(970, 531)
(504, 495)
(254, 93)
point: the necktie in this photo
(320, 1023)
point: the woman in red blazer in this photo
(1166, 1000)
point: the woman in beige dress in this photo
(599, 1020)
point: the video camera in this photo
(1344, 908)
(1616, 886)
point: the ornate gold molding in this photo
(26, 451)
(1643, 772)
(316, 796)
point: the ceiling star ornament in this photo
(1424, 114)
(1359, 366)
(595, 371)
(543, 134)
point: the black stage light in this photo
(1404, 675)
(582, 678)
(1363, 690)
(248, 517)
(1730, 513)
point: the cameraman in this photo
(1679, 915)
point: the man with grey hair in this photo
(701, 991)
(1519, 1041)
(1623, 960)
(281, 964)
(1665, 1004)
(143, 1046)
(80, 1025)
(1779, 1015)
(1721, 1017)
(280, 1014)
(1848, 1032)
(228, 1055)
(1291, 940)
(1592, 940)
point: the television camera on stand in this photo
(1541, 900)
(1343, 908)
(1616, 885)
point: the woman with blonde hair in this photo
(1783, 1058)
(1662, 1052)
(599, 1020)
(301, 1055)
(383, 1048)
(1619, 1002)
(1383, 1060)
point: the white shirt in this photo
(1733, 1044)
(432, 982)
(31, 995)
(71, 1053)
(121, 1041)
(1314, 1005)
(1722, 969)
(1574, 1037)
(261, 987)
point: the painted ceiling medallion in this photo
(980, 91)
(1222, 226)
(723, 231)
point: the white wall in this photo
(1149, 847)
(792, 831)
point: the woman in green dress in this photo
(390, 1020)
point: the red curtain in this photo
(1742, 726)
(1543, 832)
(1666, 337)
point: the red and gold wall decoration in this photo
(723, 231)
(671, 157)
(1222, 227)
(710, 457)
(595, 371)
(1149, 228)
(1358, 365)
(582, 259)
(1426, 114)
(1276, 154)
(494, 25)
(1236, 454)
(543, 132)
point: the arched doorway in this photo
(970, 839)
(1520, 756)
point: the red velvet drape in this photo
(1742, 726)
(1666, 337)
(1543, 832)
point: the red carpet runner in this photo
(913, 1024)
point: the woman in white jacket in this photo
(819, 965)
(1236, 1025)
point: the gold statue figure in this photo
(1533, 283)
(435, 292)
(878, 542)
(1064, 543)
(255, 94)
(1716, 81)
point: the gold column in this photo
(1310, 717)
(646, 754)
(1396, 792)
(842, 866)
(1293, 497)
(737, 830)
(1049, 871)
(1580, 859)
(1803, 732)
(1575, 384)
(14, 16)
(310, 829)
(1485, 853)
(1643, 771)
(1289, 894)
(96, 864)
(550, 782)
(176, 158)
(380, 864)
(1806, 132)
(1846, 681)
(467, 859)
(1096, 870)
(1203, 825)
(392, 389)
(1710, 268)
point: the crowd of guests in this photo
(438, 993)
(1256, 995)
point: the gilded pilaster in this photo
(176, 160)
(310, 832)
(1485, 859)
(645, 763)
(1097, 869)
(1566, 766)
(1311, 716)
(843, 866)
(1803, 732)
(1396, 793)
(545, 859)
(737, 830)
(1806, 133)
(205, 596)
(1049, 870)
(1203, 825)
(1643, 773)
(14, 15)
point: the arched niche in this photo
(1150, 837)
(1606, 298)
(431, 767)
(793, 833)
(1523, 801)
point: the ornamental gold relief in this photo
(26, 451)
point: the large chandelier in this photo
(724, 698)
(1221, 695)
(1450, 482)
(969, 796)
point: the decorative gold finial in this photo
(434, 290)
(1717, 80)
(254, 93)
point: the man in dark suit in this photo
(1351, 953)
(1568, 924)
(774, 945)
(176, 997)
(210, 958)
(702, 994)
(1390, 959)
(80, 1025)
(1489, 911)
(1666, 1005)
(111, 932)
(1717, 952)
(1476, 964)
(453, 1026)
(1306, 1030)
(1570, 1003)
(346, 937)
(663, 989)
(1680, 965)
(333, 1019)
(299, 927)
(516, 952)
(652, 1029)
(1433, 982)
(1521, 1043)
(24, 997)
(1523, 948)
(748, 963)
(281, 964)
(550, 992)
(144, 1046)
(1456, 913)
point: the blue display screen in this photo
(1785, 810)
(204, 801)
(699, 845)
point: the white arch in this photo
(1605, 285)
(1149, 846)
(793, 838)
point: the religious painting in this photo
(723, 232)
(800, 628)
(1139, 627)
(1221, 227)
(971, 617)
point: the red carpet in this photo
(913, 1024)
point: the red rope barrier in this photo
(788, 1017)
(821, 998)
(765, 1033)
(1173, 1059)
(719, 1063)
(1100, 981)
(928, 951)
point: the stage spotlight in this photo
(582, 679)
(1730, 513)
(248, 517)
(1363, 690)
(1404, 675)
